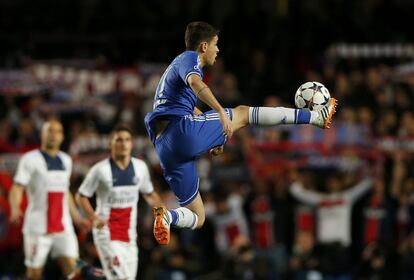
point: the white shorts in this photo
(37, 247)
(119, 259)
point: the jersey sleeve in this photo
(90, 183)
(190, 64)
(24, 171)
(146, 184)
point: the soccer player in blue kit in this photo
(181, 133)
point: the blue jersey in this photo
(174, 97)
(187, 136)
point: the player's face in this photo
(211, 51)
(52, 135)
(121, 144)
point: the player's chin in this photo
(52, 144)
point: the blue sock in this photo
(302, 116)
(174, 217)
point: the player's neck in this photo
(202, 59)
(50, 151)
(121, 161)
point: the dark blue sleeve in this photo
(189, 65)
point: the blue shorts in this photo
(181, 143)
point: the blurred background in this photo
(96, 63)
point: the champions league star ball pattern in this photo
(312, 96)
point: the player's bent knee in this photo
(242, 110)
(240, 116)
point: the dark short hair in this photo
(197, 32)
(119, 128)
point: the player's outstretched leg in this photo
(271, 116)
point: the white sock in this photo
(268, 116)
(183, 218)
(313, 117)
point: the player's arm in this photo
(146, 188)
(76, 216)
(88, 187)
(21, 181)
(206, 95)
(197, 111)
(85, 205)
(15, 199)
(153, 199)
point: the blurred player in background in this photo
(181, 133)
(45, 175)
(117, 182)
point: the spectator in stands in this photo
(379, 215)
(255, 79)
(387, 123)
(228, 91)
(26, 135)
(229, 220)
(239, 261)
(172, 262)
(10, 234)
(304, 263)
(379, 230)
(261, 211)
(333, 221)
(407, 258)
(374, 263)
(6, 145)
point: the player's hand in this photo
(99, 223)
(217, 150)
(16, 216)
(84, 225)
(226, 122)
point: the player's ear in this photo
(203, 47)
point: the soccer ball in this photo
(312, 96)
